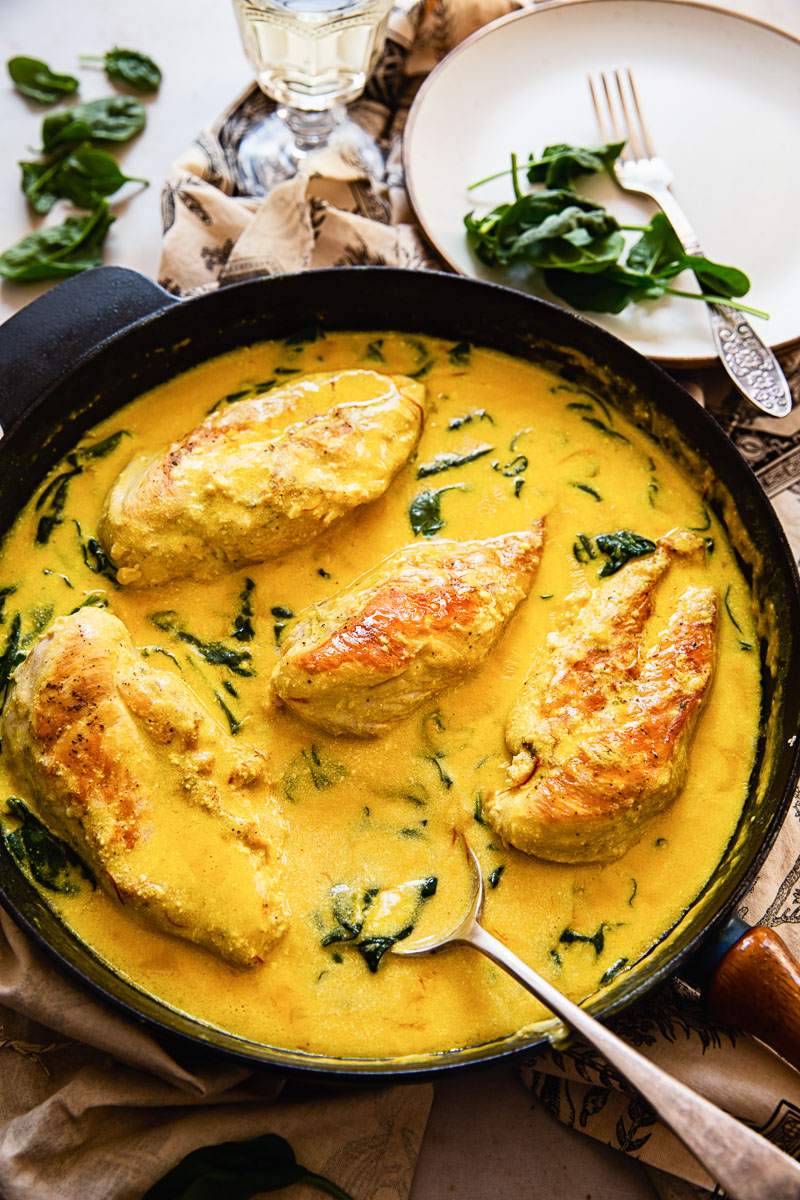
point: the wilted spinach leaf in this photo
(445, 462)
(613, 971)
(95, 557)
(216, 653)
(353, 907)
(620, 547)
(315, 766)
(242, 623)
(51, 861)
(5, 592)
(617, 547)
(596, 940)
(425, 511)
(12, 656)
(477, 414)
(54, 495)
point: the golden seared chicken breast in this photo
(261, 476)
(121, 761)
(420, 621)
(600, 734)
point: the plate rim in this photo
(678, 362)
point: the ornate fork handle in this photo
(749, 362)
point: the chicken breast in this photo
(419, 622)
(260, 477)
(172, 815)
(601, 732)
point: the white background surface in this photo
(487, 1139)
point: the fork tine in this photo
(619, 133)
(646, 139)
(635, 136)
(600, 113)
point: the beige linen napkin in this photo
(91, 1106)
(94, 1108)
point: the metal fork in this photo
(751, 365)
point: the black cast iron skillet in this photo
(99, 340)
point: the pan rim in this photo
(377, 1070)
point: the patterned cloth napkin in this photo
(91, 1106)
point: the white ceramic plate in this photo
(721, 96)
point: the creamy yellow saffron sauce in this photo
(385, 817)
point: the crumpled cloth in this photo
(91, 1105)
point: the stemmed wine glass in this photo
(312, 57)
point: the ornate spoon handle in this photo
(751, 365)
(744, 1163)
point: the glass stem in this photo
(310, 129)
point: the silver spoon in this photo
(746, 1165)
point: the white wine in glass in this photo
(312, 57)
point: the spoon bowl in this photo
(462, 932)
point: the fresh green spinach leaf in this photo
(60, 250)
(547, 229)
(111, 119)
(239, 1170)
(561, 164)
(83, 176)
(36, 80)
(129, 67)
(579, 247)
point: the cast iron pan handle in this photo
(749, 978)
(46, 339)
